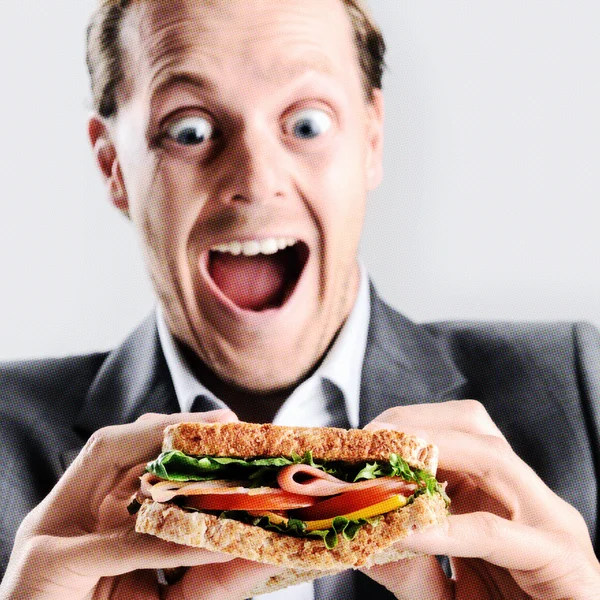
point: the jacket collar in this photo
(133, 380)
(404, 364)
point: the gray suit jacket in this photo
(539, 382)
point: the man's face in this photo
(246, 148)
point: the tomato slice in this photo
(343, 504)
(275, 501)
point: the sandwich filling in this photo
(296, 496)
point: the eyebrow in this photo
(283, 72)
(182, 78)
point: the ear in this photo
(107, 160)
(375, 115)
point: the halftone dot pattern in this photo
(540, 383)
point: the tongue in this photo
(250, 282)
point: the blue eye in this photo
(190, 131)
(310, 123)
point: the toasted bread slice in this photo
(250, 440)
(373, 544)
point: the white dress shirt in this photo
(316, 402)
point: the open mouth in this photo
(257, 275)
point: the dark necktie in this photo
(342, 585)
(204, 404)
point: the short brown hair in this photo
(105, 67)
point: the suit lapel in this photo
(404, 364)
(133, 380)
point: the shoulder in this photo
(491, 337)
(556, 348)
(55, 383)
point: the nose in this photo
(254, 168)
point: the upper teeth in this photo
(254, 247)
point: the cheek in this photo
(168, 207)
(343, 198)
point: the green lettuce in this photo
(347, 528)
(177, 466)
(398, 467)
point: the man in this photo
(241, 137)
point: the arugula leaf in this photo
(177, 466)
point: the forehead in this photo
(271, 40)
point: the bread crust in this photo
(372, 545)
(251, 440)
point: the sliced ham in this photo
(146, 482)
(163, 491)
(315, 482)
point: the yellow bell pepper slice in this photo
(393, 503)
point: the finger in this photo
(544, 564)
(484, 473)
(112, 451)
(483, 579)
(123, 446)
(420, 578)
(141, 585)
(110, 555)
(235, 580)
(484, 535)
(468, 416)
(480, 463)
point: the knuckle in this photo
(475, 412)
(499, 447)
(41, 548)
(494, 458)
(498, 456)
(99, 441)
(490, 525)
(149, 417)
(221, 415)
(577, 523)
(390, 416)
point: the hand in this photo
(509, 535)
(80, 543)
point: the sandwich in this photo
(313, 500)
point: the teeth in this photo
(254, 247)
(251, 248)
(269, 246)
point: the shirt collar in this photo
(343, 363)
(187, 387)
(342, 366)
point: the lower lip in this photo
(252, 316)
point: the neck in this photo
(249, 406)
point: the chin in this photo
(268, 365)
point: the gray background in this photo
(489, 206)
